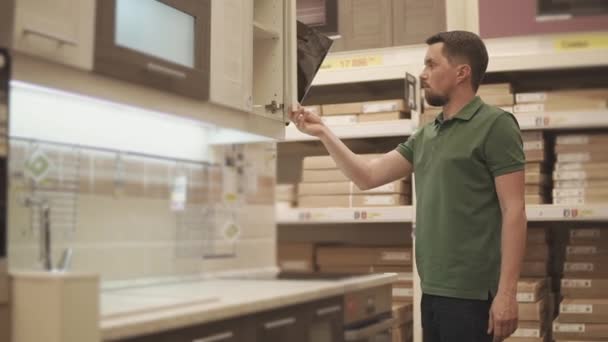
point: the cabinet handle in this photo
(279, 323)
(216, 338)
(159, 69)
(49, 36)
(328, 310)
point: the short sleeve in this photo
(503, 149)
(407, 148)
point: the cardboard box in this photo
(579, 148)
(341, 108)
(403, 293)
(345, 188)
(363, 256)
(586, 269)
(537, 252)
(338, 120)
(584, 288)
(580, 166)
(348, 201)
(296, 257)
(532, 311)
(327, 162)
(320, 176)
(538, 155)
(528, 331)
(536, 199)
(580, 236)
(402, 333)
(537, 179)
(534, 145)
(558, 106)
(533, 189)
(598, 257)
(389, 116)
(532, 135)
(530, 290)
(581, 139)
(397, 105)
(4, 282)
(580, 184)
(581, 192)
(562, 95)
(537, 167)
(495, 88)
(588, 249)
(584, 310)
(579, 331)
(582, 157)
(581, 175)
(531, 269)
(498, 99)
(537, 235)
(285, 192)
(580, 200)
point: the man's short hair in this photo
(465, 45)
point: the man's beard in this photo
(435, 100)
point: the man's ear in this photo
(463, 73)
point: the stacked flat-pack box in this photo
(583, 312)
(296, 257)
(497, 94)
(353, 112)
(403, 288)
(5, 310)
(351, 259)
(535, 311)
(581, 100)
(580, 175)
(285, 195)
(324, 185)
(538, 170)
(402, 330)
(537, 260)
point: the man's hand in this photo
(503, 316)
(306, 121)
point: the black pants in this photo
(455, 320)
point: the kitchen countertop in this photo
(139, 310)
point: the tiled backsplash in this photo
(124, 218)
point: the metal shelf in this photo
(392, 128)
(552, 212)
(405, 214)
(506, 54)
(344, 215)
(563, 120)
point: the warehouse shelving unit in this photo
(506, 55)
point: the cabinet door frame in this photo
(135, 66)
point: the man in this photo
(471, 222)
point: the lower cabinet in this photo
(319, 321)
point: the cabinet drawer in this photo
(57, 30)
(289, 324)
(326, 319)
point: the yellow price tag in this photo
(582, 42)
(352, 62)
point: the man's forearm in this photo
(514, 232)
(354, 167)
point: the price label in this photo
(526, 332)
(576, 308)
(582, 42)
(576, 283)
(567, 327)
(585, 233)
(578, 250)
(525, 297)
(353, 62)
(578, 267)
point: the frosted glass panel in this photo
(166, 32)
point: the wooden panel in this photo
(58, 30)
(416, 20)
(289, 324)
(364, 24)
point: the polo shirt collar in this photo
(466, 113)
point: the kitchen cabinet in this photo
(364, 24)
(326, 319)
(287, 324)
(234, 330)
(58, 30)
(416, 20)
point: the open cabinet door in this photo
(291, 57)
(4, 148)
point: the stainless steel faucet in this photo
(46, 258)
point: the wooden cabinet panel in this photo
(416, 20)
(326, 319)
(364, 24)
(58, 30)
(234, 330)
(289, 324)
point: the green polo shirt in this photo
(458, 216)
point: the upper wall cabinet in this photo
(416, 20)
(364, 24)
(57, 30)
